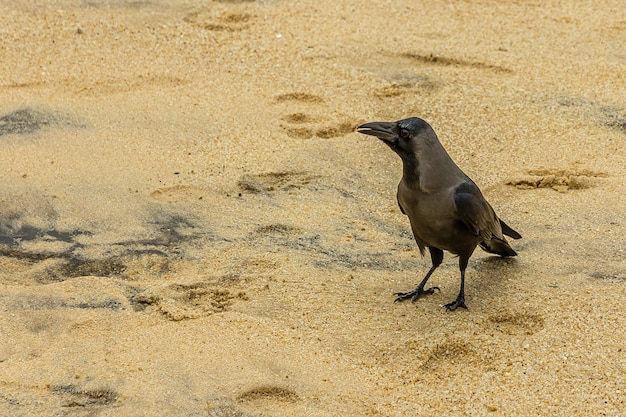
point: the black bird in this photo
(446, 209)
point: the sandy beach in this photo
(191, 226)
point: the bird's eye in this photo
(404, 133)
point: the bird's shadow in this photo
(490, 276)
(497, 261)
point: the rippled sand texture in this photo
(189, 225)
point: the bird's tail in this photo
(499, 247)
(506, 229)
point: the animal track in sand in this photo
(299, 96)
(278, 229)
(188, 301)
(517, 323)
(561, 180)
(269, 392)
(301, 125)
(403, 85)
(297, 118)
(304, 126)
(275, 181)
(85, 399)
(448, 61)
(232, 22)
(451, 353)
(336, 130)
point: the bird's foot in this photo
(415, 294)
(459, 302)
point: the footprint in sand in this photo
(301, 125)
(561, 180)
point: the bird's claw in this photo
(415, 294)
(459, 302)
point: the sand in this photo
(190, 226)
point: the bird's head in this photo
(405, 137)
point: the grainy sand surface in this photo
(189, 225)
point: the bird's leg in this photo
(460, 299)
(419, 291)
(436, 256)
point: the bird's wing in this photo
(475, 211)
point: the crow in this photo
(446, 209)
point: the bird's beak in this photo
(382, 130)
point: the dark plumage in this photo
(446, 209)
